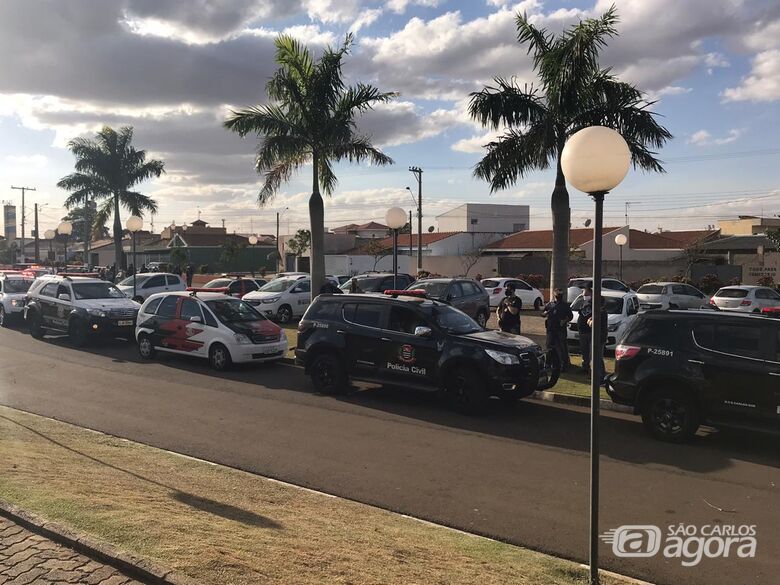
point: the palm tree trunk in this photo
(561, 216)
(119, 255)
(317, 221)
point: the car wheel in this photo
(3, 317)
(328, 374)
(482, 319)
(77, 333)
(34, 324)
(538, 304)
(219, 357)
(670, 415)
(284, 314)
(145, 346)
(466, 392)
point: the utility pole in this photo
(411, 245)
(417, 172)
(23, 190)
(278, 252)
(37, 245)
(629, 204)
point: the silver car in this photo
(670, 295)
(745, 299)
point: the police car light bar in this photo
(407, 293)
(81, 274)
(196, 289)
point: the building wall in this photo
(754, 266)
(611, 251)
(748, 226)
(462, 243)
(444, 265)
(485, 217)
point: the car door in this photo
(695, 298)
(458, 299)
(773, 373)
(363, 337)
(46, 302)
(678, 296)
(173, 282)
(766, 297)
(153, 285)
(734, 366)
(406, 357)
(235, 289)
(300, 297)
(163, 323)
(61, 307)
(189, 328)
(524, 292)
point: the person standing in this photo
(584, 327)
(509, 322)
(190, 271)
(509, 293)
(602, 373)
(557, 314)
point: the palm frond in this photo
(137, 203)
(538, 39)
(506, 104)
(358, 149)
(262, 120)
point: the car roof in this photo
(203, 296)
(676, 314)
(742, 286)
(605, 292)
(399, 299)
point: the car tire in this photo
(146, 347)
(77, 333)
(670, 415)
(328, 374)
(3, 317)
(284, 314)
(34, 325)
(219, 357)
(482, 319)
(538, 304)
(466, 393)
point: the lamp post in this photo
(134, 225)
(595, 160)
(395, 218)
(253, 243)
(49, 235)
(65, 229)
(621, 240)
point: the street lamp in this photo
(621, 240)
(49, 235)
(395, 218)
(134, 225)
(595, 160)
(253, 242)
(65, 228)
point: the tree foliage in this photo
(299, 243)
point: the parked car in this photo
(621, 307)
(82, 307)
(745, 298)
(216, 326)
(378, 282)
(147, 284)
(530, 296)
(342, 278)
(282, 299)
(577, 285)
(417, 343)
(236, 286)
(13, 292)
(462, 293)
(670, 295)
(680, 369)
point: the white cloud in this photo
(704, 138)
(476, 144)
(33, 161)
(399, 6)
(763, 82)
(365, 18)
(332, 10)
(713, 60)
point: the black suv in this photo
(462, 293)
(377, 282)
(679, 369)
(418, 343)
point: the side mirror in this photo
(422, 331)
(196, 319)
(64, 297)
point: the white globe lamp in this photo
(395, 218)
(595, 159)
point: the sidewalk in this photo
(29, 558)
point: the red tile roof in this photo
(639, 240)
(429, 238)
(688, 237)
(543, 239)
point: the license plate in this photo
(124, 323)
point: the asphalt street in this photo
(519, 475)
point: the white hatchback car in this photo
(577, 285)
(622, 308)
(745, 299)
(148, 284)
(282, 299)
(219, 327)
(13, 290)
(671, 295)
(530, 296)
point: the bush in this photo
(766, 280)
(203, 269)
(709, 283)
(735, 281)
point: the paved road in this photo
(521, 475)
(27, 558)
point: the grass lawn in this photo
(224, 526)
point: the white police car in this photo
(13, 290)
(282, 299)
(210, 325)
(621, 307)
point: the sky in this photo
(174, 69)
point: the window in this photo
(469, 288)
(456, 290)
(518, 227)
(632, 308)
(522, 285)
(62, 290)
(741, 340)
(405, 320)
(363, 314)
(189, 309)
(151, 306)
(322, 309)
(250, 285)
(651, 289)
(50, 290)
(173, 280)
(653, 332)
(211, 320)
(303, 286)
(693, 292)
(167, 307)
(155, 282)
(491, 283)
(235, 287)
(765, 293)
(16, 286)
(679, 289)
(732, 293)
(474, 221)
(96, 290)
(613, 285)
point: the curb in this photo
(133, 566)
(580, 401)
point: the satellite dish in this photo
(430, 229)
(587, 223)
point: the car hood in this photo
(108, 304)
(610, 318)
(263, 327)
(257, 295)
(14, 296)
(502, 339)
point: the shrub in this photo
(766, 280)
(735, 281)
(203, 269)
(709, 283)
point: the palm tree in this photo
(574, 92)
(310, 120)
(106, 170)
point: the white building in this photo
(485, 217)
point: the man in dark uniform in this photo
(557, 315)
(583, 327)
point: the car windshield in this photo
(491, 283)
(218, 283)
(97, 290)
(129, 280)
(732, 293)
(454, 321)
(17, 286)
(234, 310)
(651, 289)
(278, 285)
(435, 290)
(580, 282)
(613, 305)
